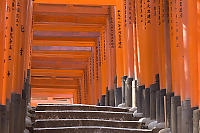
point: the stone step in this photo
(43, 107)
(90, 129)
(77, 114)
(45, 123)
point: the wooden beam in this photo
(64, 43)
(58, 65)
(53, 81)
(53, 72)
(61, 53)
(66, 27)
(43, 94)
(77, 2)
(72, 19)
(58, 59)
(55, 86)
(65, 39)
(69, 9)
(52, 91)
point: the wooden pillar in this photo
(17, 46)
(96, 72)
(108, 54)
(112, 50)
(131, 39)
(28, 37)
(187, 40)
(136, 21)
(103, 63)
(146, 47)
(140, 35)
(198, 48)
(155, 15)
(119, 41)
(168, 69)
(176, 47)
(124, 31)
(8, 55)
(82, 87)
(2, 42)
(191, 28)
(159, 24)
(99, 66)
(93, 76)
(90, 82)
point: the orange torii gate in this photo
(144, 53)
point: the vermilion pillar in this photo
(112, 51)
(119, 41)
(93, 75)
(103, 64)
(168, 70)
(159, 30)
(28, 36)
(8, 63)
(2, 42)
(131, 39)
(90, 81)
(136, 36)
(108, 54)
(184, 18)
(175, 41)
(99, 65)
(198, 47)
(124, 31)
(193, 49)
(139, 32)
(17, 46)
(154, 15)
(145, 45)
(96, 72)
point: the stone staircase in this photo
(50, 118)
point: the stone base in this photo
(152, 125)
(118, 96)
(166, 130)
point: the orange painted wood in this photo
(176, 62)
(2, 46)
(124, 32)
(8, 53)
(63, 43)
(193, 50)
(168, 65)
(17, 48)
(52, 72)
(96, 74)
(139, 31)
(131, 38)
(65, 39)
(136, 36)
(198, 48)
(103, 64)
(70, 9)
(73, 19)
(28, 36)
(112, 49)
(119, 41)
(65, 27)
(158, 16)
(77, 2)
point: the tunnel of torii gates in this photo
(100, 52)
